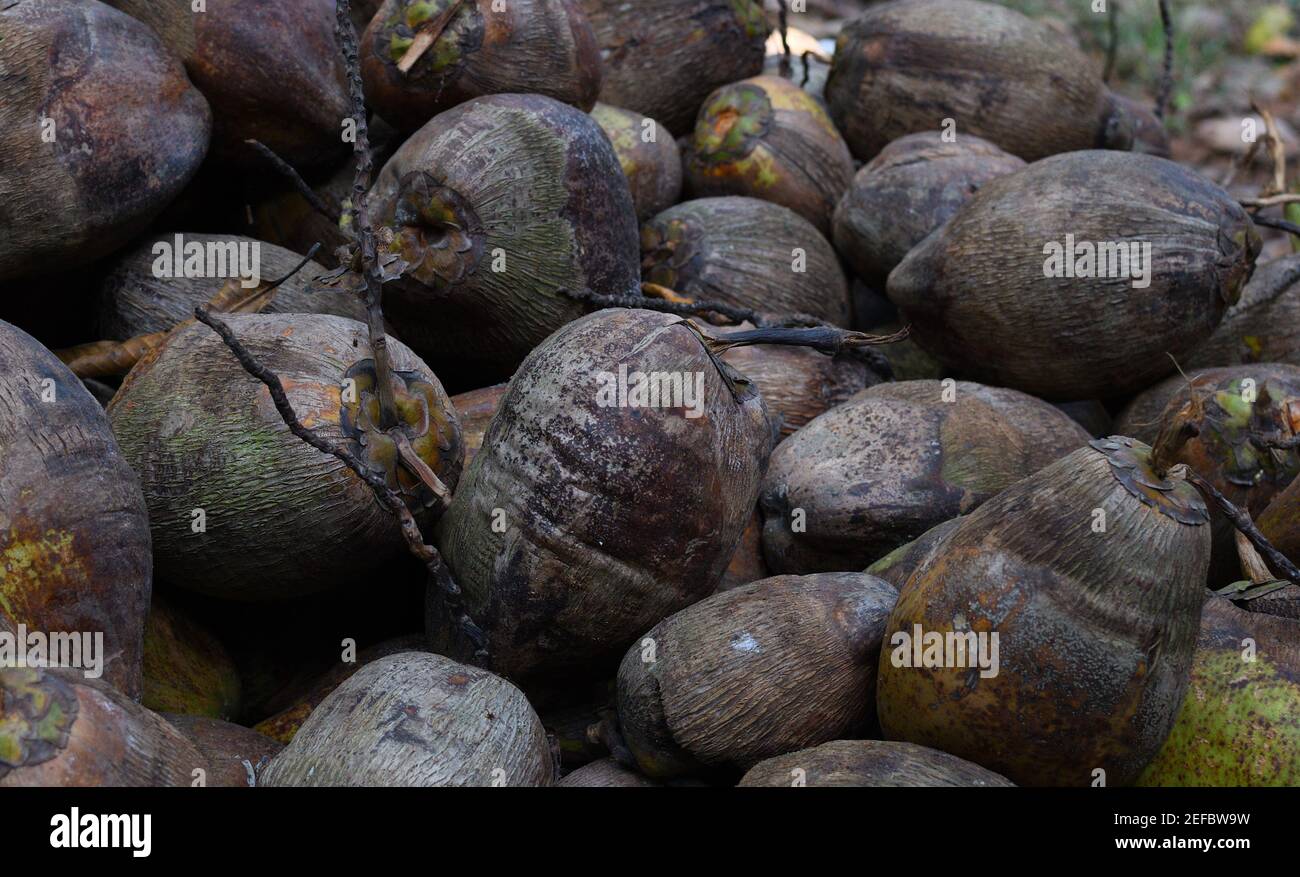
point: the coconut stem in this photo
(1112, 43)
(359, 213)
(426, 36)
(291, 174)
(830, 340)
(1279, 224)
(1241, 520)
(1276, 442)
(1167, 78)
(387, 497)
(783, 14)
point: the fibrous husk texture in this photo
(870, 763)
(74, 531)
(418, 719)
(1264, 326)
(648, 155)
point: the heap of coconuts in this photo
(455, 393)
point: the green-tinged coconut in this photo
(1039, 256)
(1240, 721)
(767, 138)
(271, 70)
(235, 754)
(797, 383)
(144, 292)
(662, 58)
(1050, 635)
(895, 460)
(870, 763)
(59, 729)
(475, 411)
(186, 668)
(240, 507)
(648, 155)
(74, 530)
(604, 774)
(99, 128)
(1264, 326)
(497, 205)
(910, 189)
(418, 719)
(911, 65)
(771, 667)
(595, 509)
(745, 252)
(479, 47)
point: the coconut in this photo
(496, 206)
(895, 460)
(234, 753)
(648, 155)
(417, 719)
(186, 668)
(910, 189)
(74, 531)
(767, 138)
(662, 58)
(1239, 723)
(140, 294)
(747, 563)
(746, 253)
(605, 773)
(421, 57)
(878, 763)
(1264, 326)
(905, 67)
(1280, 524)
(1133, 126)
(588, 515)
(771, 667)
(272, 72)
(898, 565)
(982, 297)
(1091, 574)
(99, 127)
(240, 507)
(61, 729)
(475, 410)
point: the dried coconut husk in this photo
(271, 70)
(662, 58)
(282, 519)
(910, 189)
(742, 252)
(1264, 326)
(475, 410)
(770, 667)
(611, 518)
(133, 300)
(767, 138)
(895, 460)
(421, 57)
(187, 670)
(1096, 628)
(870, 763)
(60, 729)
(129, 131)
(976, 294)
(418, 719)
(747, 563)
(605, 773)
(1240, 722)
(234, 754)
(74, 530)
(653, 167)
(520, 182)
(906, 66)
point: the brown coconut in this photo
(100, 130)
(605, 773)
(771, 667)
(978, 297)
(569, 533)
(1264, 326)
(648, 155)
(186, 668)
(1091, 573)
(418, 719)
(746, 253)
(870, 763)
(74, 530)
(282, 519)
(235, 754)
(767, 138)
(475, 410)
(895, 460)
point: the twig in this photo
(289, 172)
(426, 36)
(1167, 79)
(1271, 201)
(386, 496)
(807, 53)
(420, 469)
(1279, 224)
(1112, 47)
(1276, 153)
(1252, 565)
(359, 215)
(1241, 520)
(783, 14)
(1276, 442)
